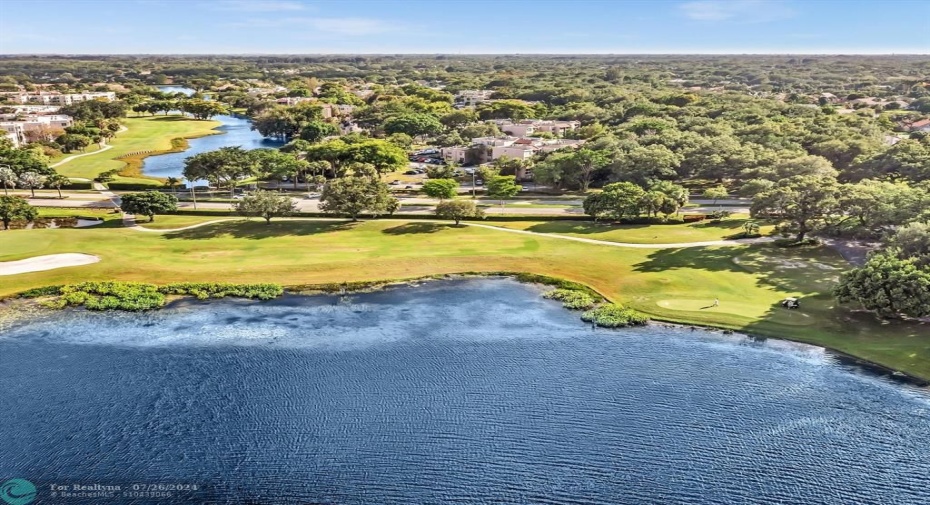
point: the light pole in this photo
(474, 190)
(193, 194)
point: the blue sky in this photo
(475, 26)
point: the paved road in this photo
(416, 206)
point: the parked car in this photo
(411, 172)
(394, 183)
(408, 187)
(479, 182)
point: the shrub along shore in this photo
(140, 296)
(669, 284)
(133, 296)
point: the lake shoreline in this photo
(135, 163)
(12, 307)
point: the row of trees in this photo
(807, 203)
(31, 181)
(227, 166)
(198, 108)
(621, 200)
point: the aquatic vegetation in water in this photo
(571, 298)
(138, 296)
(614, 315)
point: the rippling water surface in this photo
(467, 392)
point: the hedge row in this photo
(132, 186)
(75, 185)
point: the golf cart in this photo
(791, 303)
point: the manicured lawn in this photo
(143, 134)
(673, 284)
(169, 222)
(65, 212)
(89, 149)
(639, 234)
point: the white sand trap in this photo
(48, 262)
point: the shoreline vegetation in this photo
(143, 137)
(675, 285)
(135, 161)
(598, 310)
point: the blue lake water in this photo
(475, 391)
(236, 131)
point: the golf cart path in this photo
(69, 158)
(98, 151)
(47, 262)
(709, 243)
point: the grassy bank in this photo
(677, 284)
(640, 234)
(152, 135)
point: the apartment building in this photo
(472, 97)
(17, 128)
(498, 147)
(50, 98)
(529, 127)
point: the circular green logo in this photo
(17, 492)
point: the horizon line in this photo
(828, 53)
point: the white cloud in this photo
(260, 5)
(751, 11)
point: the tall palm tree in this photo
(173, 182)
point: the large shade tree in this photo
(223, 167)
(15, 208)
(352, 196)
(266, 205)
(148, 203)
(802, 203)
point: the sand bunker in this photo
(48, 262)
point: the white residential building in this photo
(55, 98)
(472, 97)
(14, 132)
(529, 127)
(17, 130)
(31, 109)
(265, 91)
(294, 100)
(511, 147)
(336, 110)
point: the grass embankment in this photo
(152, 135)
(641, 234)
(677, 284)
